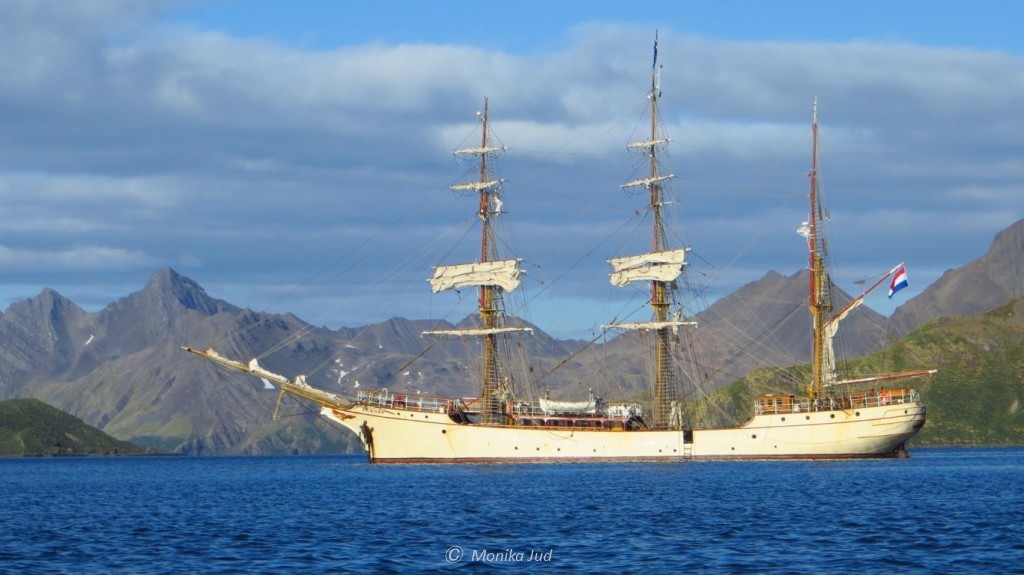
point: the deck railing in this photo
(415, 402)
(777, 404)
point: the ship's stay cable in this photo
(367, 241)
(571, 267)
(586, 134)
(390, 277)
(309, 327)
(749, 349)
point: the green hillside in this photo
(31, 427)
(975, 399)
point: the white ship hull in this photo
(411, 436)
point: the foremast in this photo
(490, 275)
(661, 266)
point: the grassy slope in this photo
(975, 399)
(31, 427)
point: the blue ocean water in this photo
(942, 511)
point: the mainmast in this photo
(491, 275)
(661, 266)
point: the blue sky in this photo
(532, 26)
(295, 157)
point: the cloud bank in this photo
(129, 143)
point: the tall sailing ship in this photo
(859, 418)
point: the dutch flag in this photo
(899, 280)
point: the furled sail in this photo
(478, 332)
(831, 327)
(646, 182)
(502, 273)
(657, 266)
(887, 377)
(828, 349)
(479, 151)
(476, 186)
(649, 325)
(647, 143)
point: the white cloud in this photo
(113, 192)
(84, 258)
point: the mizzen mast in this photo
(487, 310)
(825, 325)
(820, 298)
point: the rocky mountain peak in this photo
(40, 334)
(987, 282)
(167, 285)
(1004, 261)
(1011, 237)
(49, 307)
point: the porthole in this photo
(857, 414)
(754, 436)
(807, 417)
(833, 416)
(444, 431)
(783, 419)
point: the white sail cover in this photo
(502, 273)
(657, 266)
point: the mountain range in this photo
(121, 369)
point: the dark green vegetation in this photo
(974, 399)
(31, 427)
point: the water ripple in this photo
(943, 511)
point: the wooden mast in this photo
(491, 275)
(820, 301)
(662, 267)
(489, 408)
(664, 378)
